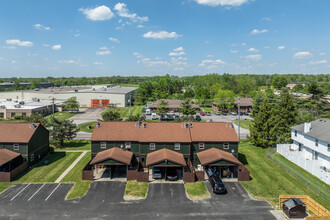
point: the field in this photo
(87, 127)
(268, 180)
(244, 123)
(124, 111)
(61, 115)
(72, 145)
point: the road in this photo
(88, 115)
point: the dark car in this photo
(198, 117)
(172, 175)
(217, 185)
(224, 113)
(156, 173)
(217, 113)
(246, 113)
(208, 113)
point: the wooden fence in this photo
(311, 204)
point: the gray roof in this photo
(293, 202)
(320, 130)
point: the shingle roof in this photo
(165, 132)
(172, 104)
(114, 153)
(320, 130)
(165, 154)
(6, 156)
(16, 132)
(213, 155)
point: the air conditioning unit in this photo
(127, 147)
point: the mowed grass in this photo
(208, 109)
(244, 123)
(72, 145)
(124, 111)
(58, 162)
(87, 127)
(136, 190)
(196, 190)
(80, 187)
(61, 115)
(4, 186)
(269, 181)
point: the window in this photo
(226, 146)
(295, 133)
(201, 146)
(16, 146)
(315, 155)
(300, 147)
(328, 147)
(103, 145)
(2, 115)
(23, 114)
(152, 146)
(316, 142)
(127, 145)
(32, 157)
(12, 114)
(177, 146)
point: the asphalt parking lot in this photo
(87, 115)
(105, 200)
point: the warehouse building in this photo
(87, 96)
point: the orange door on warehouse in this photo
(96, 103)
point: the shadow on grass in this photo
(70, 144)
(242, 159)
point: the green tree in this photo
(162, 108)
(186, 108)
(72, 104)
(226, 99)
(279, 81)
(63, 130)
(36, 119)
(111, 116)
(261, 130)
(314, 89)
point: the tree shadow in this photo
(242, 159)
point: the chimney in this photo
(143, 124)
(307, 127)
(190, 125)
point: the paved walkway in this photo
(244, 132)
(71, 167)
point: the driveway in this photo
(105, 201)
(88, 115)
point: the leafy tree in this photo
(162, 108)
(185, 118)
(279, 81)
(314, 89)
(261, 130)
(63, 130)
(186, 108)
(226, 99)
(257, 101)
(72, 104)
(111, 116)
(137, 117)
(298, 88)
(36, 119)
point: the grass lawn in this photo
(87, 127)
(268, 180)
(61, 115)
(11, 121)
(244, 123)
(136, 190)
(41, 173)
(124, 111)
(129, 85)
(4, 186)
(208, 109)
(196, 190)
(80, 187)
(73, 145)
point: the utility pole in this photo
(53, 107)
(239, 115)
(130, 105)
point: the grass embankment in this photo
(61, 115)
(135, 190)
(244, 123)
(80, 187)
(45, 173)
(268, 180)
(87, 126)
(4, 186)
(197, 191)
(72, 145)
(124, 111)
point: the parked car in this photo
(172, 175)
(202, 113)
(198, 118)
(208, 113)
(156, 173)
(241, 113)
(246, 113)
(224, 113)
(154, 116)
(217, 113)
(148, 111)
(234, 113)
(217, 185)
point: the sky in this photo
(41, 38)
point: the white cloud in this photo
(77, 35)
(178, 69)
(255, 57)
(281, 47)
(211, 62)
(19, 43)
(253, 50)
(115, 40)
(209, 56)
(41, 27)
(318, 62)
(302, 54)
(321, 54)
(98, 63)
(243, 44)
(221, 2)
(178, 49)
(9, 47)
(256, 31)
(177, 53)
(122, 11)
(138, 55)
(266, 19)
(103, 52)
(1, 58)
(267, 47)
(13, 61)
(234, 51)
(68, 61)
(57, 47)
(46, 45)
(104, 48)
(140, 26)
(100, 13)
(161, 35)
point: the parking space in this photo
(30, 193)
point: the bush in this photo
(18, 117)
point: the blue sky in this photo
(40, 38)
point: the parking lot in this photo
(105, 200)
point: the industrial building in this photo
(87, 96)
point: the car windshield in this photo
(219, 184)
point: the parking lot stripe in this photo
(53, 192)
(19, 192)
(36, 192)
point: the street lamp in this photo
(130, 105)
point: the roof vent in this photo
(307, 127)
(33, 126)
(190, 125)
(98, 124)
(184, 125)
(139, 123)
(231, 125)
